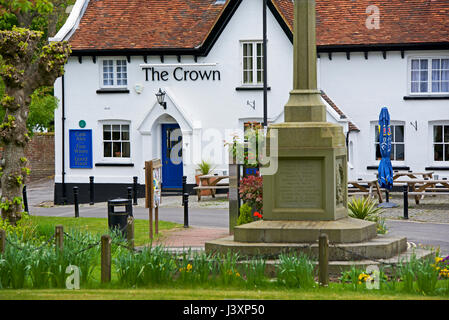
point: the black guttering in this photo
(202, 50)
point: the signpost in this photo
(153, 179)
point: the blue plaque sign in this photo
(80, 149)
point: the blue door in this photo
(172, 168)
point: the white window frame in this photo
(432, 124)
(102, 141)
(115, 73)
(429, 74)
(254, 83)
(374, 125)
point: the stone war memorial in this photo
(307, 196)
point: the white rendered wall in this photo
(362, 87)
(197, 106)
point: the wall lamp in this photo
(160, 98)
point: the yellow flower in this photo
(237, 274)
(189, 267)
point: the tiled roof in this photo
(143, 24)
(351, 125)
(343, 22)
(186, 24)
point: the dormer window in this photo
(114, 73)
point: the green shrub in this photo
(296, 271)
(366, 209)
(245, 215)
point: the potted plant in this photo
(204, 168)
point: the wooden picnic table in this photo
(412, 175)
(420, 187)
(210, 182)
(367, 187)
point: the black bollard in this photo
(75, 200)
(130, 192)
(91, 190)
(406, 202)
(185, 201)
(387, 196)
(135, 191)
(25, 198)
(185, 197)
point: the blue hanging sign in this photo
(80, 149)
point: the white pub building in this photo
(206, 58)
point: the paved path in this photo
(209, 222)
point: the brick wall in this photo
(40, 153)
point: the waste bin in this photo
(118, 212)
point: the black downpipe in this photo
(265, 73)
(64, 190)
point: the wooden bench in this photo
(212, 188)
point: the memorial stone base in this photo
(307, 196)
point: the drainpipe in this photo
(265, 74)
(64, 191)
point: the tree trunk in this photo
(14, 170)
(12, 182)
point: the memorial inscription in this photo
(300, 183)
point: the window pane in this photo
(445, 75)
(438, 134)
(117, 149)
(259, 77)
(423, 87)
(125, 132)
(436, 64)
(126, 153)
(436, 87)
(376, 133)
(378, 154)
(424, 64)
(445, 86)
(424, 76)
(446, 152)
(415, 86)
(107, 152)
(415, 75)
(446, 134)
(400, 154)
(398, 133)
(438, 152)
(393, 152)
(415, 64)
(445, 64)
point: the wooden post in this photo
(148, 193)
(2, 241)
(130, 233)
(324, 260)
(105, 258)
(156, 220)
(59, 237)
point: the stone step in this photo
(381, 247)
(347, 230)
(335, 268)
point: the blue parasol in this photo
(385, 175)
(385, 168)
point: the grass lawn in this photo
(334, 292)
(100, 226)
